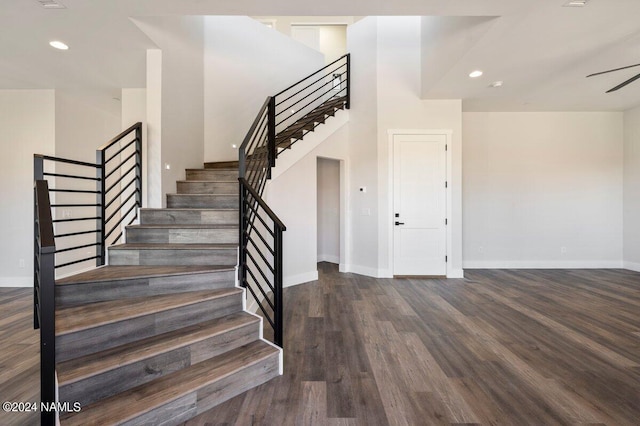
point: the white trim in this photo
(632, 266)
(328, 258)
(361, 270)
(542, 264)
(16, 281)
(300, 279)
(448, 134)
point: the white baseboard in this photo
(16, 281)
(632, 266)
(300, 279)
(456, 273)
(362, 270)
(328, 258)
(551, 264)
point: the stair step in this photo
(103, 374)
(118, 282)
(217, 201)
(179, 396)
(189, 216)
(173, 254)
(94, 327)
(212, 174)
(207, 187)
(183, 234)
(221, 165)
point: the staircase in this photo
(160, 335)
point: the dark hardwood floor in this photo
(527, 347)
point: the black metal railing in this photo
(282, 120)
(92, 202)
(44, 308)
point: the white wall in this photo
(330, 40)
(244, 63)
(292, 195)
(27, 120)
(632, 189)
(537, 182)
(328, 210)
(181, 40)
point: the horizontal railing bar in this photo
(77, 247)
(70, 176)
(253, 228)
(117, 210)
(76, 261)
(260, 138)
(120, 221)
(252, 129)
(310, 75)
(264, 259)
(120, 165)
(116, 238)
(309, 103)
(120, 179)
(256, 212)
(67, 161)
(75, 191)
(76, 219)
(261, 289)
(120, 136)
(73, 234)
(266, 315)
(131, 142)
(255, 262)
(117, 196)
(74, 205)
(264, 205)
(311, 84)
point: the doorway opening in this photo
(328, 210)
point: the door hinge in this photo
(446, 221)
(446, 184)
(446, 259)
(446, 147)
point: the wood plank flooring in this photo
(526, 347)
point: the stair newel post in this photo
(347, 105)
(38, 174)
(101, 209)
(278, 332)
(138, 147)
(271, 124)
(242, 241)
(45, 248)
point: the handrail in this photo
(274, 217)
(120, 136)
(310, 75)
(255, 123)
(65, 160)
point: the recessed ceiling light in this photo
(496, 84)
(475, 74)
(575, 3)
(59, 45)
(51, 4)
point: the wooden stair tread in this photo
(207, 181)
(202, 195)
(221, 165)
(171, 246)
(137, 401)
(185, 226)
(111, 272)
(89, 365)
(186, 209)
(83, 317)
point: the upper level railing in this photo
(93, 202)
(282, 120)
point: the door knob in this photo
(399, 223)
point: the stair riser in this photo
(186, 201)
(173, 257)
(212, 174)
(182, 236)
(77, 294)
(107, 336)
(208, 397)
(207, 187)
(129, 376)
(188, 217)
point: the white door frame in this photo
(447, 133)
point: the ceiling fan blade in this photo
(617, 69)
(621, 85)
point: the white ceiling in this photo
(540, 50)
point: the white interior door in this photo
(420, 205)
